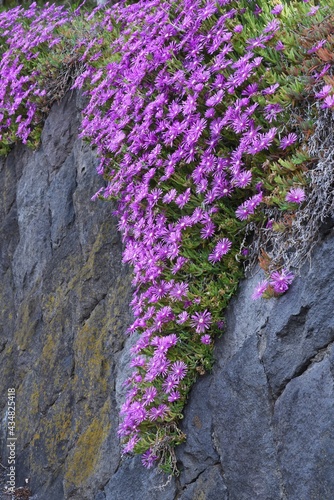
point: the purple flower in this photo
(149, 395)
(243, 178)
(288, 140)
(238, 28)
(295, 195)
(317, 46)
(208, 230)
(183, 198)
(130, 444)
(257, 10)
(243, 211)
(271, 111)
(169, 384)
(180, 262)
(178, 291)
(313, 10)
(159, 412)
(223, 247)
(201, 321)
(182, 318)
(270, 90)
(148, 459)
(280, 281)
(206, 339)
(173, 396)
(326, 89)
(277, 10)
(178, 370)
(279, 46)
(328, 102)
(260, 289)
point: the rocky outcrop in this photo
(259, 426)
(64, 309)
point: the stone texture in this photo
(303, 419)
(260, 426)
(64, 308)
(133, 482)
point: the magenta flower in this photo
(222, 248)
(208, 230)
(280, 280)
(173, 396)
(243, 178)
(326, 89)
(279, 46)
(178, 370)
(260, 289)
(149, 395)
(277, 10)
(295, 195)
(313, 10)
(183, 198)
(182, 318)
(317, 46)
(328, 102)
(178, 291)
(206, 339)
(169, 384)
(288, 140)
(271, 111)
(243, 211)
(201, 321)
(148, 459)
(130, 444)
(159, 412)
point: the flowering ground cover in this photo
(201, 113)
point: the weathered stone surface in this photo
(133, 482)
(258, 427)
(242, 426)
(303, 419)
(64, 300)
(198, 453)
(306, 322)
(209, 485)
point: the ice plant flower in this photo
(324, 92)
(328, 102)
(281, 280)
(201, 321)
(206, 339)
(222, 248)
(313, 10)
(295, 195)
(260, 289)
(277, 10)
(288, 140)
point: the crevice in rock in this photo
(87, 314)
(182, 489)
(315, 358)
(271, 400)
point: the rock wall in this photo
(260, 426)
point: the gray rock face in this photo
(260, 426)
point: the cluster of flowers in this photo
(176, 122)
(22, 33)
(183, 112)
